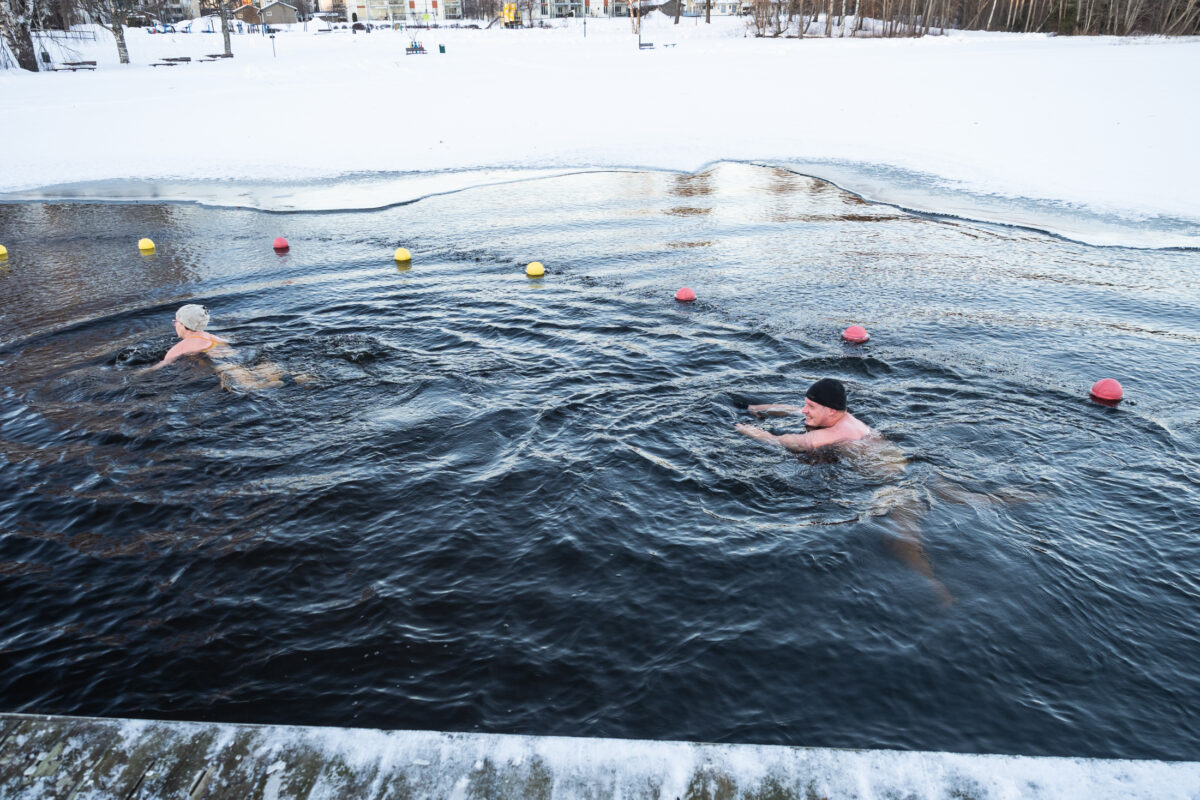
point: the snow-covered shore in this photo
(1101, 127)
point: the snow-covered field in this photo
(1101, 126)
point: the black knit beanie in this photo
(829, 393)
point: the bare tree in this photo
(110, 13)
(17, 18)
(480, 9)
(526, 7)
(221, 7)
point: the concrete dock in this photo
(78, 758)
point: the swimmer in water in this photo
(831, 424)
(190, 322)
(824, 410)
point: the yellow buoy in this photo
(402, 254)
(535, 270)
(145, 245)
(3, 251)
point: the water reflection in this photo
(519, 506)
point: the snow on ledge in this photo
(217, 759)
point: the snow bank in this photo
(105, 757)
(1020, 128)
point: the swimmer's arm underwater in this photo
(774, 409)
(796, 442)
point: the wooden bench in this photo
(164, 64)
(179, 59)
(75, 65)
(645, 45)
(219, 55)
(415, 48)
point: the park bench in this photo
(164, 63)
(645, 45)
(219, 55)
(75, 65)
(414, 48)
(179, 59)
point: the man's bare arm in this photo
(774, 409)
(796, 442)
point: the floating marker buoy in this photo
(1107, 389)
(685, 295)
(280, 244)
(856, 334)
(535, 270)
(146, 245)
(3, 251)
(402, 254)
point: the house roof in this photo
(278, 3)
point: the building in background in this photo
(279, 13)
(247, 14)
(724, 8)
(410, 12)
(173, 11)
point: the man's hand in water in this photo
(754, 432)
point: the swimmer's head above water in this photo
(193, 317)
(824, 403)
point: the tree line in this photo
(889, 18)
(20, 19)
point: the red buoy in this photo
(685, 295)
(1107, 389)
(856, 333)
(281, 243)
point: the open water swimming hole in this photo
(519, 506)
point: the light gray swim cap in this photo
(193, 317)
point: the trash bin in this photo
(441, 48)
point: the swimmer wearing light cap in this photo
(190, 322)
(824, 413)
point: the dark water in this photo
(520, 506)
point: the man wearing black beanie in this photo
(824, 413)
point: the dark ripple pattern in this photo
(519, 506)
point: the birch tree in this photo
(16, 22)
(111, 14)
